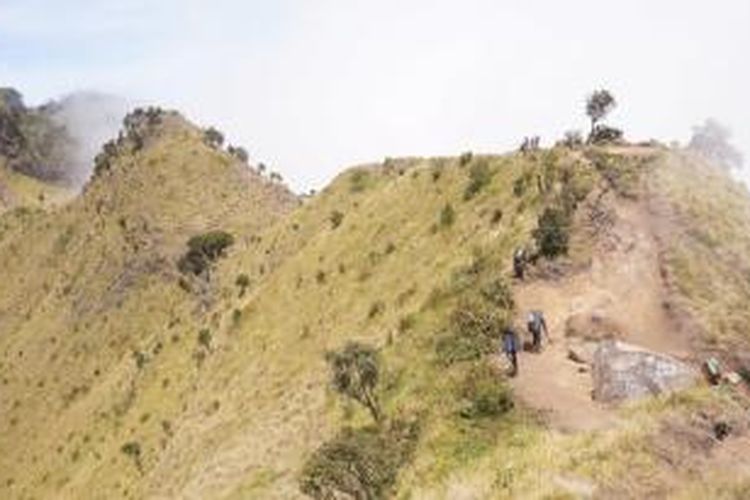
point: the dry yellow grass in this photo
(90, 284)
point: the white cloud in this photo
(311, 87)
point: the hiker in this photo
(510, 348)
(536, 326)
(519, 263)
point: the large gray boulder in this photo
(621, 372)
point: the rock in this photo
(622, 372)
(581, 351)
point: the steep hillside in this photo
(124, 375)
(88, 286)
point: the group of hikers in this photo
(535, 324)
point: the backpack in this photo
(535, 321)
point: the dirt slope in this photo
(621, 286)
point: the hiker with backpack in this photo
(536, 325)
(510, 348)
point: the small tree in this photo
(133, 450)
(213, 137)
(336, 219)
(480, 175)
(354, 373)
(243, 282)
(203, 250)
(598, 105)
(238, 152)
(552, 232)
(447, 215)
(572, 139)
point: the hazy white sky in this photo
(310, 87)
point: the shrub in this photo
(133, 450)
(204, 338)
(354, 373)
(213, 137)
(436, 173)
(480, 176)
(243, 282)
(359, 463)
(465, 158)
(406, 323)
(239, 152)
(473, 333)
(604, 134)
(499, 294)
(376, 309)
(336, 219)
(140, 359)
(447, 216)
(552, 232)
(203, 250)
(497, 216)
(484, 394)
(573, 139)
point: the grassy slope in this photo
(86, 286)
(18, 190)
(709, 249)
(240, 422)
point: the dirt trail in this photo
(623, 285)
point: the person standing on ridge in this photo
(536, 325)
(510, 348)
(519, 263)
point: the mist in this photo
(91, 119)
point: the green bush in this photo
(604, 134)
(474, 332)
(498, 293)
(497, 216)
(204, 338)
(140, 359)
(553, 232)
(360, 463)
(376, 309)
(407, 323)
(480, 176)
(465, 158)
(203, 250)
(484, 393)
(238, 152)
(447, 216)
(336, 219)
(133, 450)
(213, 137)
(243, 282)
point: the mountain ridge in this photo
(125, 376)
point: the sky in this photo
(312, 87)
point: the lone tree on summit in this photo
(598, 105)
